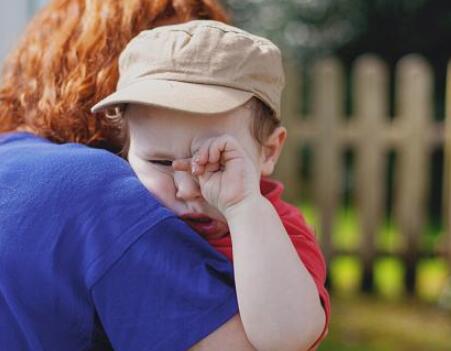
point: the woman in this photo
(79, 271)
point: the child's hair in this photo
(67, 61)
(263, 123)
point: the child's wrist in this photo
(244, 207)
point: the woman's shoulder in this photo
(33, 155)
(56, 184)
(69, 172)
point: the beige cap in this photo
(199, 66)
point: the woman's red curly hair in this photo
(67, 61)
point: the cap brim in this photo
(189, 97)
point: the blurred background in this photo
(365, 108)
(368, 118)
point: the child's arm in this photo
(278, 300)
(228, 337)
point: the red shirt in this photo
(300, 234)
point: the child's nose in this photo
(187, 186)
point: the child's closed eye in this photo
(164, 163)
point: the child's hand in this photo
(226, 174)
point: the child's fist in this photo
(226, 174)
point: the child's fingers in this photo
(221, 145)
(214, 151)
(200, 160)
(182, 165)
(210, 151)
(187, 165)
(201, 156)
(197, 169)
(212, 167)
(208, 157)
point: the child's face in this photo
(159, 136)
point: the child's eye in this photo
(166, 163)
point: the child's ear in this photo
(271, 150)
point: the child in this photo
(201, 104)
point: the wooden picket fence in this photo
(370, 133)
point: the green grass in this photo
(362, 323)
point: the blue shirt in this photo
(90, 260)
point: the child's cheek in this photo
(162, 186)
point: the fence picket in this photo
(327, 107)
(370, 100)
(414, 112)
(447, 160)
(290, 155)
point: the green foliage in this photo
(390, 28)
(389, 278)
(301, 27)
(346, 271)
(345, 275)
(432, 276)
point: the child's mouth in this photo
(200, 220)
(206, 226)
